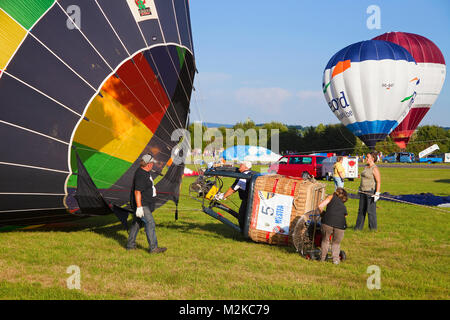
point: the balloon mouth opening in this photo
(371, 140)
(401, 144)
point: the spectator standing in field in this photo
(369, 193)
(333, 223)
(339, 173)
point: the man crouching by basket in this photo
(240, 185)
(333, 223)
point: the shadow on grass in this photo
(443, 180)
(220, 230)
(73, 225)
(119, 234)
(115, 232)
(110, 227)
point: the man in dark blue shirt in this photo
(142, 200)
(240, 185)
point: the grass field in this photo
(208, 260)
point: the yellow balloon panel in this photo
(11, 35)
(110, 128)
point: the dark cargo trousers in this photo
(369, 206)
(242, 214)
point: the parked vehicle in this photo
(294, 165)
(446, 157)
(432, 158)
(349, 163)
(407, 157)
(428, 151)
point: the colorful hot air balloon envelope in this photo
(432, 72)
(104, 87)
(370, 87)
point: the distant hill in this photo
(296, 127)
(299, 127)
(217, 125)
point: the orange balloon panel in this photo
(140, 91)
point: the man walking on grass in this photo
(143, 196)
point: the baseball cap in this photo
(147, 158)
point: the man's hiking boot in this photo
(158, 250)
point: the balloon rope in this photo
(397, 200)
(107, 19)
(165, 88)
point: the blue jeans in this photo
(148, 223)
(338, 182)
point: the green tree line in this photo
(332, 138)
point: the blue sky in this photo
(265, 59)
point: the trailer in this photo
(349, 163)
(446, 157)
(428, 151)
(432, 158)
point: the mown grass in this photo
(208, 260)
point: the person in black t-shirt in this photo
(240, 185)
(333, 223)
(142, 200)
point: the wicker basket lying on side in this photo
(301, 196)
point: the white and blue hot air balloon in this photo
(370, 87)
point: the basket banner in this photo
(273, 212)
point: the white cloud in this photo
(309, 95)
(269, 100)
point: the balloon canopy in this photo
(106, 85)
(432, 72)
(370, 87)
(250, 153)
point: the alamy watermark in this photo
(374, 280)
(74, 281)
(192, 148)
(374, 20)
(74, 19)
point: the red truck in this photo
(294, 165)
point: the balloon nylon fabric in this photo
(115, 88)
(370, 87)
(88, 197)
(432, 71)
